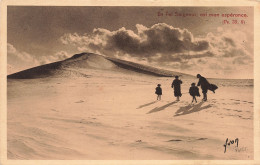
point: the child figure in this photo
(194, 91)
(158, 91)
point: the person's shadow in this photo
(145, 105)
(161, 108)
(191, 109)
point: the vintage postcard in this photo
(141, 82)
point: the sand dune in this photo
(88, 61)
(105, 113)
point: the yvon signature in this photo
(230, 142)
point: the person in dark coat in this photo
(203, 82)
(194, 91)
(176, 85)
(158, 91)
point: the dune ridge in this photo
(90, 61)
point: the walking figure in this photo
(194, 91)
(158, 91)
(203, 82)
(176, 85)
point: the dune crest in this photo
(68, 67)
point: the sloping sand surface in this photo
(108, 115)
(88, 61)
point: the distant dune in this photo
(90, 61)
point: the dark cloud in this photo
(160, 38)
(164, 45)
(200, 45)
(170, 42)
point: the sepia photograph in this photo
(130, 82)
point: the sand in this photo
(112, 115)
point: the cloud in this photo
(160, 45)
(228, 44)
(53, 58)
(163, 44)
(147, 42)
(159, 38)
(168, 46)
(18, 60)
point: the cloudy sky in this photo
(190, 44)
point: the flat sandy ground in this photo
(116, 116)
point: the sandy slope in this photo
(71, 66)
(108, 115)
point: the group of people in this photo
(193, 91)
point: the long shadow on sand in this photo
(145, 105)
(161, 108)
(191, 109)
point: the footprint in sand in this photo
(188, 140)
(242, 101)
(234, 100)
(174, 140)
(54, 110)
(202, 139)
(248, 102)
(247, 118)
(80, 101)
(111, 143)
(213, 101)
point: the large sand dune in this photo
(88, 61)
(92, 107)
